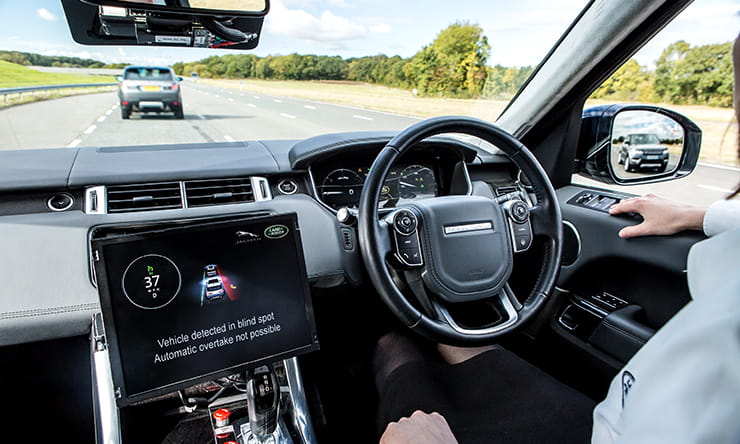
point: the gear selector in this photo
(263, 396)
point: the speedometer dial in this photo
(341, 188)
(416, 182)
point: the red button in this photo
(222, 414)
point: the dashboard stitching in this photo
(48, 311)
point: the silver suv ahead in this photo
(149, 89)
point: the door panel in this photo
(618, 291)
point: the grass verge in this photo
(14, 76)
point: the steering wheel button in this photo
(522, 241)
(411, 241)
(405, 222)
(410, 256)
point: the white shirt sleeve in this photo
(721, 216)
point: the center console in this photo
(206, 314)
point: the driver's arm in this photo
(421, 428)
(666, 217)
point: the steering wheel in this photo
(459, 248)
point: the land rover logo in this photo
(276, 231)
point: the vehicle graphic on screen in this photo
(217, 287)
(214, 288)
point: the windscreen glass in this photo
(161, 75)
(321, 66)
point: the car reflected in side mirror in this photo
(631, 144)
(644, 144)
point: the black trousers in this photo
(495, 397)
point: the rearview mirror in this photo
(631, 144)
(223, 24)
(222, 7)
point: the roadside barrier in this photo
(34, 90)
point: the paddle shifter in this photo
(263, 395)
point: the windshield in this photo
(644, 139)
(153, 74)
(322, 66)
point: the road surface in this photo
(214, 114)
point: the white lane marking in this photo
(309, 107)
(251, 105)
(256, 97)
(290, 116)
(356, 116)
(91, 129)
(115, 106)
(229, 138)
(101, 118)
(720, 167)
(108, 113)
(74, 143)
(277, 100)
(710, 187)
(217, 96)
(241, 95)
(230, 99)
(202, 117)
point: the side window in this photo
(687, 68)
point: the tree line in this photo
(453, 65)
(31, 59)
(683, 74)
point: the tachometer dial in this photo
(416, 182)
(341, 188)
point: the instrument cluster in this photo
(341, 187)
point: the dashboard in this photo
(52, 200)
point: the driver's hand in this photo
(422, 428)
(660, 216)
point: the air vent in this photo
(500, 191)
(200, 193)
(144, 197)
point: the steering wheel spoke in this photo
(385, 242)
(542, 222)
(504, 304)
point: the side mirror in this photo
(179, 79)
(633, 144)
(119, 78)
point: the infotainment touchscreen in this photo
(191, 302)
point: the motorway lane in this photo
(211, 114)
(50, 123)
(214, 114)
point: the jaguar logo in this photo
(245, 237)
(246, 234)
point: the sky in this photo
(520, 32)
